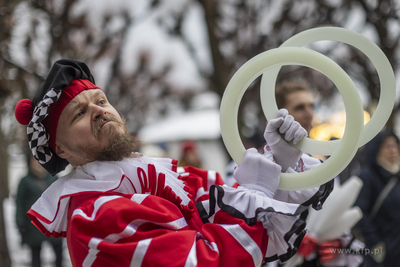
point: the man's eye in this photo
(80, 113)
(102, 102)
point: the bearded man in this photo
(118, 207)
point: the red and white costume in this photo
(143, 212)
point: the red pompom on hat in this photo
(24, 111)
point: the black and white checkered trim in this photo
(38, 138)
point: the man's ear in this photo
(61, 152)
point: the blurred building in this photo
(200, 124)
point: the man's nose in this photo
(97, 112)
(310, 111)
(394, 149)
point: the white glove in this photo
(258, 172)
(289, 130)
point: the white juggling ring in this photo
(269, 64)
(294, 56)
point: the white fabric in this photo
(140, 252)
(192, 257)
(299, 196)
(258, 173)
(278, 133)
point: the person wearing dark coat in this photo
(379, 200)
(30, 189)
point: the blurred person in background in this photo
(30, 188)
(190, 155)
(379, 200)
(297, 98)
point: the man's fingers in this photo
(299, 134)
(249, 155)
(274, 124)
(288, 121)
(289, 135)
(250, 152)
(282, 113)
(287, 126)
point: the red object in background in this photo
(308, 246)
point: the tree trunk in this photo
(222, 71)
(6, 22)
(5, 260)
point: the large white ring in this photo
(294, 56)
(378, 59)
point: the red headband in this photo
(24, 108)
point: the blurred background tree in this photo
(152, 56)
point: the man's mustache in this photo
(99, 122)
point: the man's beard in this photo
(120, 145)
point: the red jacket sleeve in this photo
(145, 230)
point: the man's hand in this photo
(277, 131)
(258, 172)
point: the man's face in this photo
(90, 129)
(389, 150)
(301, 106)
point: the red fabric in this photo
(307, 246)
(24, 111)
(55, 109)
(187, 146)
(142, 221)
(174, 165)
(193, 183)
(328, 251)
(204, 176)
